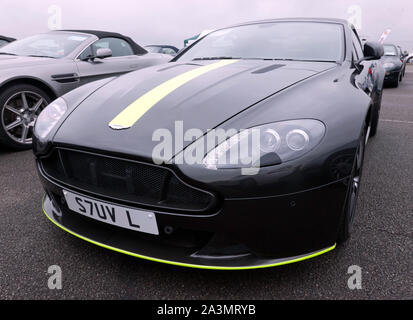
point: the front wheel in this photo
(396, 82)
(376, 116)
(20, 106)
(352, 191)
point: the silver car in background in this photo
(38, 69)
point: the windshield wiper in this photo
(40, 56)
(303, 60)
(215, 58)
(8, 54)
(265, 59)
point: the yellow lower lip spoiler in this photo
(129, 116)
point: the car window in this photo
(153, 49)
(357, 45)
(390, 50)
(168, 51)
(3, 42)
(55, 44)
(119, 47)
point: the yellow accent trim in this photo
(129, 116)
(187, 264)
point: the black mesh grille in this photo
(125, 180)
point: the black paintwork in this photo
(284, 211)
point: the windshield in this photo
(3, 42)
(153, 49)
(278, 40)
(390, 50)
(54, 45)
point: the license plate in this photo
(132, 219)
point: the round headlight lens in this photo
(270, 141)
(297, 140)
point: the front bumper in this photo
(242, 234)
(127, 245)
(391, 75)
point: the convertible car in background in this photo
(303, 94)
(5, 40)
(38, 69)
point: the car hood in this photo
(12, 62)
(202, 103)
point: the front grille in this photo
(126, 180)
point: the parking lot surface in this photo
(382, 241)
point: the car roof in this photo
(324, 20)
(162, 46)
(137, 49)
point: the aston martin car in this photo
(5, 40)
(246, 151)
(36, 70)
(393, 65)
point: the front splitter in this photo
(255, 263)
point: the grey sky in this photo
(172, 21)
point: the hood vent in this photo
(268, 69)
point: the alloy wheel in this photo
(19, 114)
(355, 181)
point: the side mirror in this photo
(103, 53)
(373, 50)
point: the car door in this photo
(123, 60)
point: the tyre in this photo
(20, 106)
(375, 118)
(396, 82)
(352, 192)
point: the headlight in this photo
(388, 65)
(266, 145)
(49, 117)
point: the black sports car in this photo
(246, 151)
(393, 65)
(5, 40)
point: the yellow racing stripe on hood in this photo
(129, 116)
